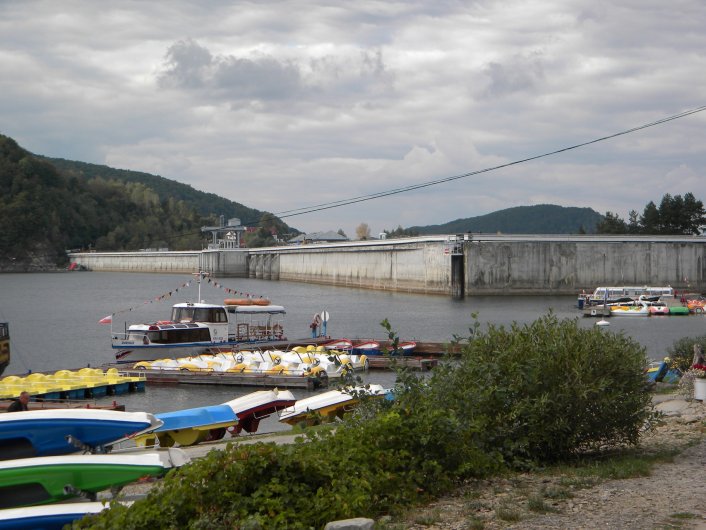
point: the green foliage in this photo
(206, 205)
(534, 393)
(50, 205)
(401, 232)
(681, 353)
(538, 219)
(675, 215)
(612, 224)
(544, 391)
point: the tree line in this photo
(675, 215)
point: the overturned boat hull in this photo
(63, 431)
(201, 424)
(42, 480)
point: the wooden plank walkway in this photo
(385, 362)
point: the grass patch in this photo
(621, 465)
(557, 493)
(537, 504)
(475, 505)
(508, 513)
(684, 516)
(428, 519)
(476, 523)
(666, 389)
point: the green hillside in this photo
(50, 205)
(539, 219)
(206, 204)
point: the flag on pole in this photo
(106, 320)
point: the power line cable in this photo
(377, 195)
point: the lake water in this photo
(54, 320)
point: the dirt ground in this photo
(673, 496)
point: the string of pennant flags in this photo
(108, 319)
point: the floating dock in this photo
(206, 377)
(64, 404)
(426, 357)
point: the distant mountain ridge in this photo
(538, 219)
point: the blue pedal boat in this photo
(62, 431)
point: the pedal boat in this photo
(62, 431)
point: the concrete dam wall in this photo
(456, 265)
(532, 266)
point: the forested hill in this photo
(48, 206)
(539, 219)
(206, 204)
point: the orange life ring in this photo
(237, 301)
(260, 301)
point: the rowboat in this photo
(192, 426)
(41, 480)
(62, 431)
(368, 347)
(48, 517)
(405, 348)
(329, 405)
(339, 344)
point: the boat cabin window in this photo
(174, 336)
(199, 314)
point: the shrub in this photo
(543, 391)
(528, 394)
(681, 352)
(372, 465)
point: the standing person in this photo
(315, 326)
(19, 404)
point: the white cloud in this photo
(282, 105)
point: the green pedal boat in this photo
(41, 480)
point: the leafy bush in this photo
(681, 352)
(546, 390)
(367, 467)
(529, 394)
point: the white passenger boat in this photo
(617, 294)
(193, 328)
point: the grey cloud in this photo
(187, 64)
(519, 74)
(334, 78)
(261, 78)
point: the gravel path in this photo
(673, 496)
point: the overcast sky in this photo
(282, 105)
